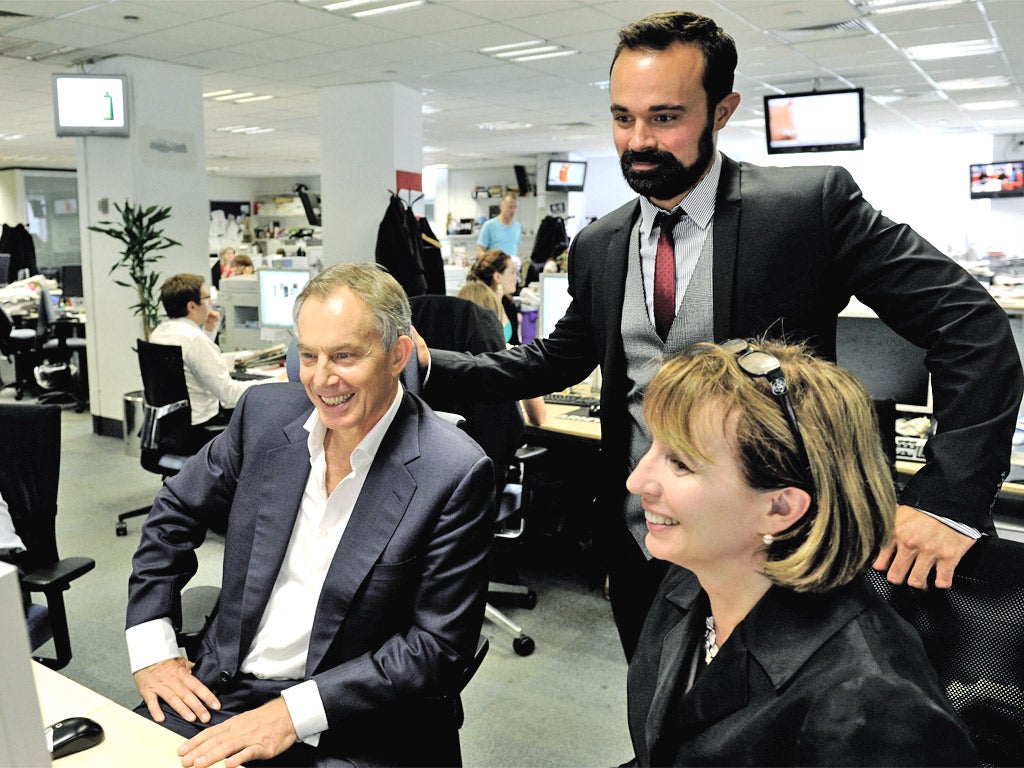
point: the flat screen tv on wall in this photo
(566, 175)
(90, 105)
(819, 121)
(1001, 179)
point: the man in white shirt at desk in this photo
(355, 559)
(192, 325)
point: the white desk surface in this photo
(130, 738)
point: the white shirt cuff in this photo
(966, 530)
(307, 711)
(150, 642)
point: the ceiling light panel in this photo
(392, 8)
(937, 51)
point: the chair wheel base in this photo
(121, 529)
(523, 645)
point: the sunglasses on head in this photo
(758, 364)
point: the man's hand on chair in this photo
(921, 543)
(422, 352)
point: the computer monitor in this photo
(278, 289)
(22, 739)
(71, 281)
(889, 366)
(554, 301)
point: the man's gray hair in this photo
(374, 285)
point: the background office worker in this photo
(503, 231)
(192, 325)
(355, 559)
(759, 250)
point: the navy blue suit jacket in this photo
(401, 609)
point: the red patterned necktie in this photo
(665, 273)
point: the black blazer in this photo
(833, 679)
(791, 246)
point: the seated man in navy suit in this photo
(354, 579)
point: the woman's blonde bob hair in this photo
(853, 502)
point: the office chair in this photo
(57, 345)
(18, 345)
(456, 324)
(166, 416)
(974, 636)
(29, 475)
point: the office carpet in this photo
(562, 706)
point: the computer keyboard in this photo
(579, 401)
(247, 376)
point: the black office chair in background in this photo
(166, 416)
(455, 324)
(19, 346)
(57, 345)
(974, 636)
(29, 476)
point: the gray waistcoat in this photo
(645, 349)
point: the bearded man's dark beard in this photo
(671, 178)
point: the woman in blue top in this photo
(497, 271)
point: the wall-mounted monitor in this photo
(566, 175)
(1002, 179)
(90, 105)
(819, 121)
(278, 289)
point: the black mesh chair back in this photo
(459, 325)
(974, 636)
(167, 413)
(29, 477)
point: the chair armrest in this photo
(530, 452)
(59, 575)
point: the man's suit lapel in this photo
(726, 248)
(382, 503)
(277, 499)
(614, 279)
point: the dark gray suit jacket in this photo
(401, 609)
(791, 246)
(833, 679)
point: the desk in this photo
(130, 738)
(585, 431)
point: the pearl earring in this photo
(767, 539)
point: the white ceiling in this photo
(289, 49)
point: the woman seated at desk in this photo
(764, 647)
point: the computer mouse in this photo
(595, 410)
(73, 734)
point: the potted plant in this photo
(142, 239)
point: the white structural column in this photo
(161, 163)
(368, 132)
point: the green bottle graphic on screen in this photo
(110, 106)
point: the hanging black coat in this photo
(433, 261)
(398, 247)
(17, 241)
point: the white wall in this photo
(161, 163)
(9, 211)
(917, 178)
